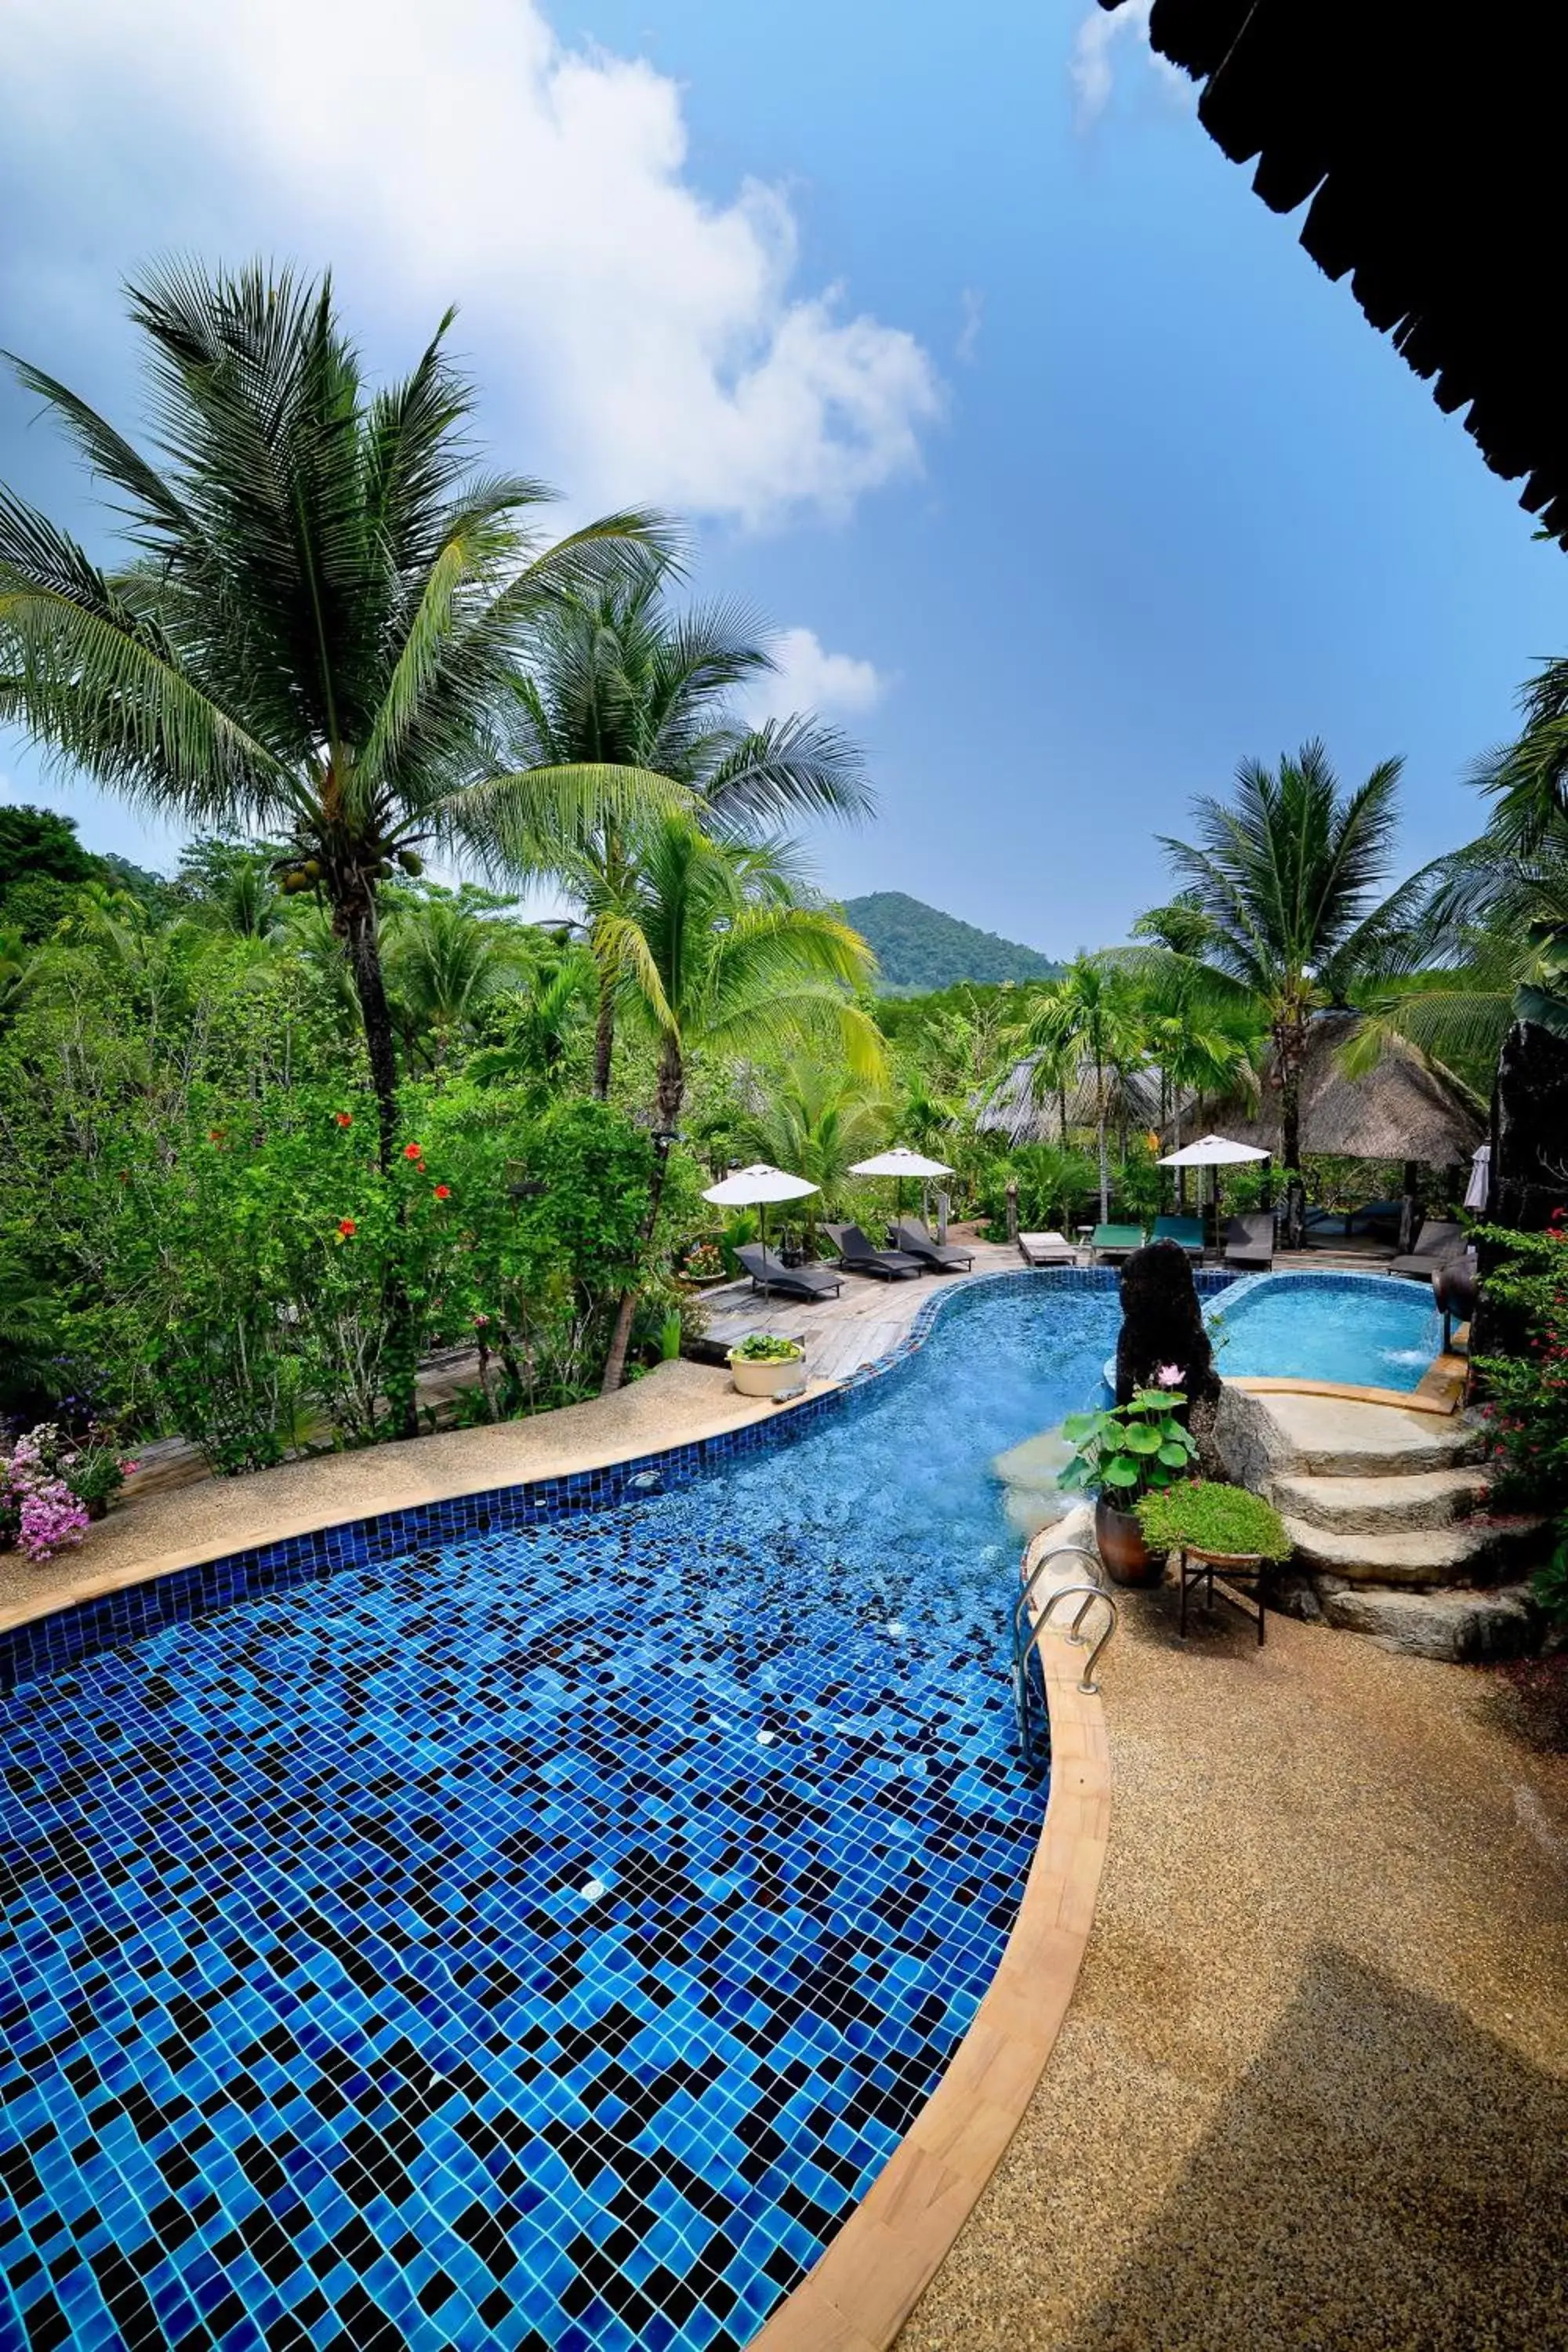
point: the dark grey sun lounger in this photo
(1249, 1240)
(912, 1238)
(769, 1273)
(1438, 1244)
(856, 1254)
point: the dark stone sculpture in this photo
(1162, 1325)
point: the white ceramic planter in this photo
(767, 1380)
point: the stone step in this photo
(1463, 1553)
(1461, 1628)
(1400, 1501)
(1341, 1437)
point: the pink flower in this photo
(50, 1518)
(1170, 1376)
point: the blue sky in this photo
(975, 364)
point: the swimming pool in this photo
(543, 1936)
(1365, 1329)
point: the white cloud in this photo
(809, 678)
(657, 339)
(1091, 65)
(973, 306)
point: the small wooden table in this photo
(1220, 1571)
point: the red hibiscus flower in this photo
(347, 1227)
(443, 1191)
(344, 1117)
(414, 1151)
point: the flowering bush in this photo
(1527, 1407)
(39, 1514)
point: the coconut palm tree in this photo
(710, 949)
(615, 674)
(1089, 1017)
(443, 963)
(319, 606)
(1286, 877)
(819, 1119)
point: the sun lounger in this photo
(1249, 1240)
(769, 1273)
(857, 1255)
(1187, 1232)
(944, 1257)
(1116, 1241)
(1047, 1249)
(1438, 1244)
(1375, 1220)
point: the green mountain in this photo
(919, 947)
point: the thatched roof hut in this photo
(1013, 1111)
(1424, 146)
(1402, 1110)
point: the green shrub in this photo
(766, 1347)
(1203, 1516)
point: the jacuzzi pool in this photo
(1363, 1329)
(536, 1935)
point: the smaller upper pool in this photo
(1364, 1329)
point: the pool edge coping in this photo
(864, 2285)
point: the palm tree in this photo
(1285, 876)
(444, 965)
(321, 608)
(615, 676)
(819, 1119)
(1089, 1016)
(711, 950)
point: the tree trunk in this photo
(668, 1097)
(604, 1040)
(356, 923)
(1099, 1128)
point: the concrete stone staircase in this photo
(1388, 1510)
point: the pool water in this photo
(1368, 1329)
(542, 1941)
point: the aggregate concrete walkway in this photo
(1312, 2090)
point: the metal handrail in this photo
(1057, 1551)
(1092, 1592)
(1025, 1628)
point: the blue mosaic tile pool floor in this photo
(540, 1941)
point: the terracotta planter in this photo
(772, 1379)
(1121, 1547)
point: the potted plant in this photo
(1224, 1524)
(1121, 1453)
(95, 1476)
(704, 1263)
(766, 1365)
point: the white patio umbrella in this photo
(1479, 1185)
(1212, 1152)
(755, 1187)
(899, 1161)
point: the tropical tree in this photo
(1286, 877)
(320, 604)
(711, 950)
(818, 1119)
(1090, 1018)
(445, 963)
(614, 675)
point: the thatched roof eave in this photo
(1426, 146)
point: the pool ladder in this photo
(1028, 1693)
